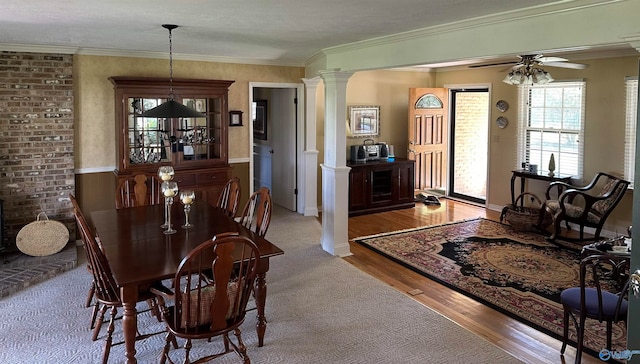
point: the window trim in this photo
(523, 118)
(631, 117)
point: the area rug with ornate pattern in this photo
(519, 274)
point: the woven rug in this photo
(519, 274)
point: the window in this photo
(551, 120)
(631, 107)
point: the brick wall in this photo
(471, 138)
(36, 139)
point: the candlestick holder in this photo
(166, 173)
(187, 197)
(169, 190)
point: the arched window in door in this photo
(429, 101)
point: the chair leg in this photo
(165, 351)
(94, 314)
(109, 340)
(556, 230)
(187, 351)
(580, 339)
(609, 334)
(153, 306)
(92, 290)
(96, 330)
(565, 336)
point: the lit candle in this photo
(169, 193)
(165, 177)
(187, 200)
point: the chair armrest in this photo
(569, 195)
(557, 184)
(162, 292)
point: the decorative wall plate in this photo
(502, 122)
(502, 105)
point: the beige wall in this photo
(604, 124)
(95, 132)
(604, 141)
(605, 119)
(387, 89)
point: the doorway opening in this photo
(469, 147)
(276, 141)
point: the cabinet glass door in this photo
(147, 137)
(200, 138)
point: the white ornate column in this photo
(310, 181)
(335, 173)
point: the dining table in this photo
(140, 253)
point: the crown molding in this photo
(37, 48)
(508, 16)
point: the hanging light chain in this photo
(170, 27)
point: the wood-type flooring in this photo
(520, 340)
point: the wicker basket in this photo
(42, 237)
(526, 218)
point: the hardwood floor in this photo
(521, 341)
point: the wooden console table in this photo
(523, 174)
(381, 185)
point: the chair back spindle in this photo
(139, 190)
(229, 198)
(256, 215)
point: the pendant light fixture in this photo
(171, 108)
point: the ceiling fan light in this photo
(529, 72)
(508, 78)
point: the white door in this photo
(283, 133)
(262, 165)
(275, 153)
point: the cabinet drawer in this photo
(212, 178)
(185, 179)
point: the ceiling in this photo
(286, 32)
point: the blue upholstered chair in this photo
(599, 297)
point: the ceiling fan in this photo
(528, 70)
(533, 60)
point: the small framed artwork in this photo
(260, 121)
(235, 118)
(364, 121)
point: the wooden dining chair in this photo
(92, 288)
(204, 309)
(106, 291)
(598, 297)
(139, 190)
(256, 214)
(229, 198)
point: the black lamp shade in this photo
(172, 109)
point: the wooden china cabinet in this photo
(196, 147)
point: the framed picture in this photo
(235, 118)
(364, 121)
(260, 121)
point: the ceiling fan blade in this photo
(575, 66)
(551, 59)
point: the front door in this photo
(428, 127)
(468, 153)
